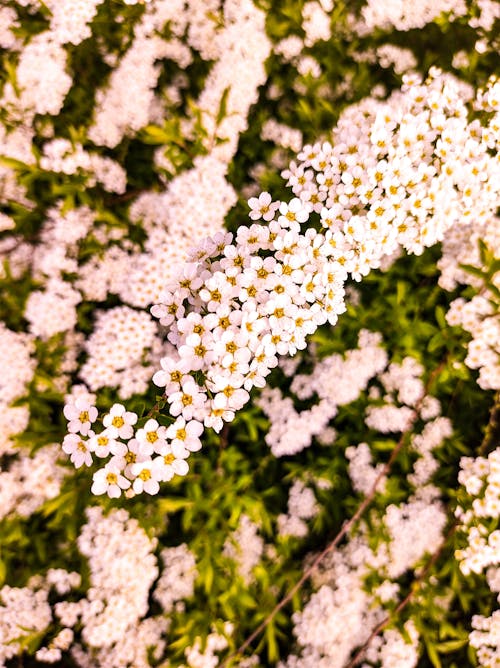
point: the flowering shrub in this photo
(250, 333)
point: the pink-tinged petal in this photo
(114, 492)
(180, 466)
(179, 451)
(152, 487)
(194, 428)
(123, 482)
(99, 485)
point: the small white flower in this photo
(185, 434)
(263, 207)
(102, 444)
(119, 422)
(171, 464)
(152, 437)
(77, 449)
(110, 481)
(146, 477)
(81, 414)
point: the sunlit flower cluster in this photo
(132, 132)
(392, 177)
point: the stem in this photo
(492, 430)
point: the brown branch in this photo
(346, 527)
(492, 431)
(417, 583)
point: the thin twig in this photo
(492, 430)
(402, 604)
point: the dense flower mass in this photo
(241, 302)
(249, 333)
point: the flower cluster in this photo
(480, 477)
(335, 380)
(240, 302)
(245, 547)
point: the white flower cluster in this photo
(122, 351)
(143, 276)
(27, 482)
(406, 545)
(22, 611)
(18, 366)
(42, 82)
(393, 176)
(197, 657)
(122, 570)
(15, 144)
(302, 505)
(317, 21)
(400, 172)
(392, 650)
(245, 547)
(362, 471)
(60, 155)
(402, 60)
(340, 614)
(70, 19)
(114, 630)
(282, 135)
(26, 612)
(335, 380)
(485, 638)
(124, 105)
(8, 21)
(407, 16)
(143, 456)
(481, 479)
(176, 581)
(53, 309)
(431, 437)
(481, 318)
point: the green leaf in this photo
(272, 645)
(222, 113)
(436, 342)
(172, 504)
(433, 655)
(451, 645)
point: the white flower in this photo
(119, 422)
(152, 437)
(263, 207)
(102, 444)
(171, 374)
(293, 212)
(77, 449)
(185, 434)
(133, 452)
(146, 477)
(110, 481)
(189, 402)
(81, 414)
(171, 464)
